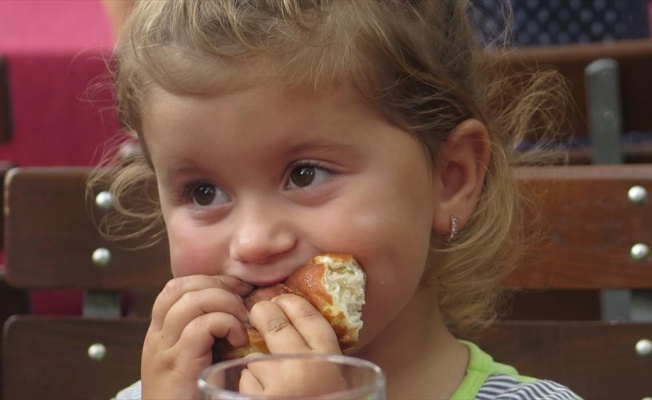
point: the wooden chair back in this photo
(591, 220)
(13, 300)
(597, 360)
(70, 357)
(630, 94)
(52, 242)
(594, 227)
(52, 236)
(595, 223)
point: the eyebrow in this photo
(184, 169)
(177, 171)
(325, 145)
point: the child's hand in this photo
(290, 324)
(187, 316)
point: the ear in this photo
(461, 168)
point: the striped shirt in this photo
(505, 387)
(486, 379)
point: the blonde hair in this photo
(418, 62)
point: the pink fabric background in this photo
(56, 52)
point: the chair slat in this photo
(588, 227)
(47, 357)
(52, 232)
(598, 360)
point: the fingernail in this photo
(276, 299)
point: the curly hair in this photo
(418, 62)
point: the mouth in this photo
(265, 276)
(266, 283)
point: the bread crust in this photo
(306, 282)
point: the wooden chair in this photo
(595, 228)
(591, 225)
(594, 235)
(612, 92)
(597, 360)
(13, 300)
(41, 203)
(52, 242)
(71, 358)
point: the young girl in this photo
(278, 130)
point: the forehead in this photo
(277, 110)
(267, 128)
(261, 98)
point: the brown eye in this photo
(204, 195)
(302, 176)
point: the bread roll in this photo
(333, 283)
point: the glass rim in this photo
(338, 358)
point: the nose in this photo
(262, 234)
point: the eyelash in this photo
(307, 163)
(187, 190)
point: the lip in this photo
(266, 283)
(267, 275)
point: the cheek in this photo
(386, 299)
(392, 244)
(187, 258)
(393, 271)
(193, 252)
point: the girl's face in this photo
(255, 183)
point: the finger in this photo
(249, 384)
(275, 321)
(175, 288)
(197, 338)
(194, 304)
(275, 327)
(296, 377)
(314, 328)
(264, 369)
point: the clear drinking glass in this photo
(287, 376)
